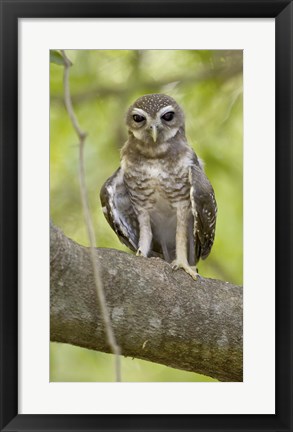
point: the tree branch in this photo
(157, 314)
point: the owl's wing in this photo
(118, 210)
(204, 210)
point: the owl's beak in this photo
(154, 132)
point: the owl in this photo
(160, 202)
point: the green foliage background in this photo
(208, 85)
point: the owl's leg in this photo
(145, 234)
(181, 260)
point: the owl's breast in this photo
(157, 185)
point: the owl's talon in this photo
(140, 253)
(174, 266)
(177, 265)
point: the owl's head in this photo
(154, 119)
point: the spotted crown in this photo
(152, 103)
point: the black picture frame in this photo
(11, 11)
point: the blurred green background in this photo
(103, 83)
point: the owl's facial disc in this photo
(166, 117)
(162, 128)
(154, 128)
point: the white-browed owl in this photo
(160, 202)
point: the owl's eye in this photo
(138, 118)
(168, 116)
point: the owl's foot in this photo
(177, 265)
